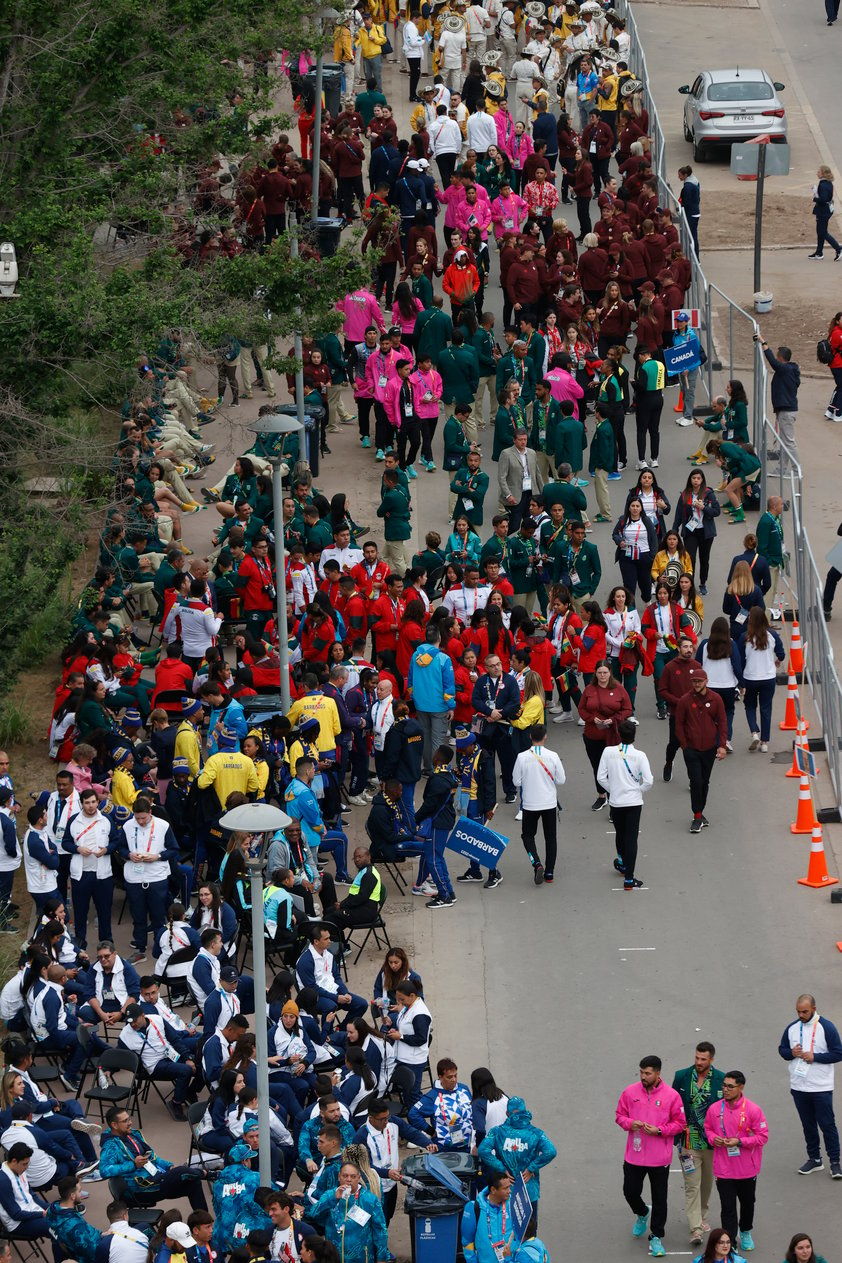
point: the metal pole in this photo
(317, 137)
(758, 213)
(297, 350)
(280, 582)
(261, 1031)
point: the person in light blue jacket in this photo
(431, 684)
(518, 1147)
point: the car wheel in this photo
(699, 151)
(688, 135)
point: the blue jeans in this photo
(408, 800)
(762, 692)
(44, 897)
(815, 1109)
(336, 843)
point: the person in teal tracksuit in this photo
(519, 1148)
(353, 1219)
(237, 1213)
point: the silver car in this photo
(724, 107)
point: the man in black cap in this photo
(159, 1047)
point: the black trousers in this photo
(696, 545)
(633, 1178)
(350, 186)
(518, 512)
(617, 417)
(699, 767)
(497, 738)
(428, 433)
(600, 173)
(383, 431)
(732, 1193)
(637, 574)
(648, 417)
(594, 747)
(446, 164)
(583, 210)
(673, 746)
(181, 1182)
(274, 226)
(547, 817)
(385, 278)
(627, 827)
(390, 1202)
(409, 440)
(364, 416)
(414, 64)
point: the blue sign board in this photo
(682, 358)
(520, 1207)
(477, 842)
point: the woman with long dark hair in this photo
(720, 657)
(761, 652)
(489, 1102)
(591, 640)
(718, 1249)
(695, 512)
(604, 705)
(405, 310)
(834, 337)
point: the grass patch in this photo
(15, 723)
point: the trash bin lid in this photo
(443, 1175)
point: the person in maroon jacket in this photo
(593, 268)
(675, 681)
(597, 141)
(615, 318)
(275, 190)
(348, 159)
(583, 192)
(523, 284)
(702, 730)
(655, 246)
(252, 219)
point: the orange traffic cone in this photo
(817, 874)
(789, 723)
(796, 652)
(800, 740)
(679, 407)
(805, 817)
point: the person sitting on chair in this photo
(361, 906)
(162, 1055)
(22, 1212)
(391, 831)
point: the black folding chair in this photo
(143, 1210)
(29, 1248)
(211, 1163)
(115, 1061)
(377, 928)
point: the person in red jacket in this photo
(387, 614)
(275, 190)
(583, 191)
(252, 219)
(676, 680)
(603, 706)
(460, 282)
(354, 608)
(256, 576)
(597, 141)
(702, 730)
(348, 159)
(317, 635)
(172, 674)
(370, 574)
(593, 268)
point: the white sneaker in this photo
(564, 718)
(581, 723)
(359, 800)
(519, 815)
(554, 708)
(653, 464)
(683, 421)
(764, 747)
(755, 741)
(641, 464)
(776, 614)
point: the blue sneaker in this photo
(431, 464)
(656, 1248)
(614, 477)
(640, 1223)
(366, 441)
(583, 482)
(410, 471)
(380, 454)
(746, 1241)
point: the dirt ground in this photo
(731, 224)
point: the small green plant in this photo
(15, 723)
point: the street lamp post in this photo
(264, 819)
(269, 427)
(322, 15)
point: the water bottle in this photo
(101, 1077)
(637, 1143)
(409, 1182)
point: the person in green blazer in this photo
(421, 286)
(741, 466)
(469, 486)
(456, 441)
(569, 439)
(545, 419)
(524, 564)
(602, 461)
(394, 510)
(770, 544)
(511, 416)
(482, 340)
(536, 347)
(735, 418)
(458, 367)
(514, 366)
(496, 547)
(585, 566)
(432, 331)
(700, 1087)
(555, 549)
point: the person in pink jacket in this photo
(400, 409)
(521, 149)
(405, 311)
(653, 1115)
(563, 384)
(508, 211)
(380, 370)
(737, 1130)
(360, 309)
(426, 392)
(504, 123)
(473, 213)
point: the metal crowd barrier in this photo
(803, 581)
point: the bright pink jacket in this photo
(661, 1107)
(379, 365)
(521, 149)
(361, 310)
(563, 385)
(451, 197)
(421, 383)
(406, 325)
(745, 1120)
(391, 403)
(476, 216)
(505, 125)
(509, 214)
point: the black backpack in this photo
(824, 351)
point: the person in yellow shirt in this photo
(531, 711)
(229, 771)
(343, 51)
(187, 744)
(370, 41)
(314, 705)
(607, 98)
(123, 789)
(253, 747)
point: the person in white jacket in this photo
(537, 772)
(626, 774)
(194, 624)
(414, 46)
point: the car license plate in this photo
(744, 118)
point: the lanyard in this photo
(92, 825)
(151, 837)
(638, 778)
(385, 711)
(376, 1137)
(543, 764)
(742, 1116)
(502, 1227)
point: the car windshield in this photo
(740, 90)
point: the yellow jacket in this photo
(229, 771)
(417, 118)
(316, 706)
(659, 563)
(187, 746)
(123, 789)
(371, 42)
(531, 712)
(343, 45)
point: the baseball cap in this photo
(180, 1233)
